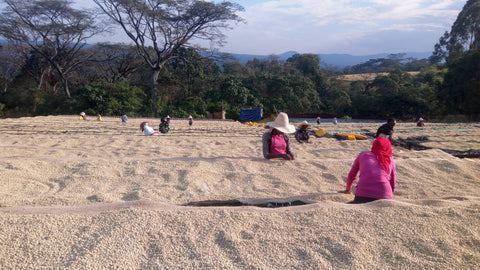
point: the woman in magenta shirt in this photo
(377, 173)
(276, 143)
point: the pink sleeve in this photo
(352, 175)
(393, 174)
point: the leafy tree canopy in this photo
(53, 30)
(464, 35)
(160, 28)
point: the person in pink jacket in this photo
(377, 173)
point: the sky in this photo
(356, 27)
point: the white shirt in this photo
(149, 131)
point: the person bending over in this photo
(386, 130)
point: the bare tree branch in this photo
(159, 28)
(53, 30)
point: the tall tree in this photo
(464, 35)
(114, 62)
(52, 29)
(159, 28)
(461, 50)
(188, 78)
(461, 88)
(10, 67)
(308, 64)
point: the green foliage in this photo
(308, 64)
(393, 62)
(233, 92)
(233, 113)
(183, 82)
(198, 86)
(193, 106)
(463, 37)
(53, 30)
(268, 118)
(462, 85)
(215, 106)
(175, 111)
(160, 29)
(33, 101)
(397, 94)
(110, 98)
(460, 48)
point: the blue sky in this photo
(341, 26)
(354, 27)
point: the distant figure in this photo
(386, 130)
(190, 120)
(147, 130)
(168, 119)
(275, 142)
(318, 120)
(124, 118)
(303, 135)
(99, 117)
(377, 173)
(82, 116)
(335, 120)
(164, 127)
(420, 122)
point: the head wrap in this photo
(382, 148)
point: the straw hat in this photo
(282, 124)
(304, 123)
(190, 117)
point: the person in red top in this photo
(420, 122)
(276, 143)
(377, 173)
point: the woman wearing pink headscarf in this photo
(377, 173)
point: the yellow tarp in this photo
(353, 137)
(320, 132)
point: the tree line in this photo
(49, 68)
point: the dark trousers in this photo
(360, 199)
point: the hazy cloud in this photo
(312, 25)
(336, 26)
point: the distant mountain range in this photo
(338, 61)
(331, 60)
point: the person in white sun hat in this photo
(276, 143)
